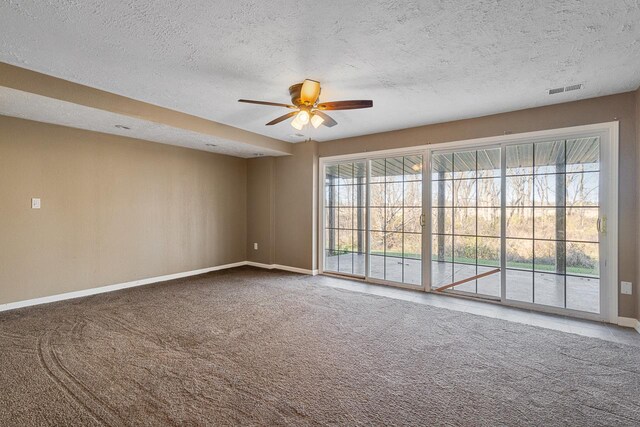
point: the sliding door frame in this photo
(608, 131)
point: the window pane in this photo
(412, 272)
(441, 248)
(549, 190)
(520, 254)
(413, 193)
(583, 293)
(583, 189)
(378, 169)
(441, 274)
(583, 259)
(519, 159)
(394, 194)
(412, 246)
(464, 221)
(413, 168)
(393, 244)
(549, 223)
(331, 175)
(489, 192)
(345, 173)
(549, 157)
(377, 221)
(376, 266)
(331, 218)
(331, 240)
(488, 251)
(393, 269)
(345, 263)
(345, 195)
(441, 221)
(519, 222)
(377, 195)
(464, 192)
(519, 190)
(583, 154)
(461, 272)
(464, 164)
(519, 285)
(489, 162)
(549, 289)
(394, 169)
(377, 243)
(345, 240)
(582, 224)
(345, 218)
(441, 166)
(442, 193)
(489, 285)
(412, 220)
(549, 256)
(488, 222)
(330, 260)
(393, 219)
(464, 249)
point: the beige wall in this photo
(261, 209)
(281, 203)
(637, 195)
(295, 207)
(114, 209)
(620, 107)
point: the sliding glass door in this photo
(465, 221)
(395, 200)
(522, 222)
(373, 219)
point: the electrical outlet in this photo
(625, 288)
(255, 246)
(35, 203)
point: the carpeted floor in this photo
(249, 346)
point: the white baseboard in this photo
(629, 322)
(141, 282)
(283, 267)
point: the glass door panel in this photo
(345, 218)
(465, 221)
(552, 209)
(395, 207)
(529, 226)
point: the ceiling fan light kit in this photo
(305, 98)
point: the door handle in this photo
(422, 220)
(602, 225)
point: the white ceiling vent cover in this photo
(565, 89)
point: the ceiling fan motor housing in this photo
(294, 91)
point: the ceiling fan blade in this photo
(328, 121)
(345, 105)
(273, 104)
(281, 118)
(309, 92)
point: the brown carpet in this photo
(248, 346)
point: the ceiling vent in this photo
(565, 89)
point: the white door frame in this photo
(608, 131)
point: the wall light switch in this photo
(35, 203)
(255, 246)
(625, 288)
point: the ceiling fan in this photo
(307, 108)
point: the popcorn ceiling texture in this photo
(421, 62)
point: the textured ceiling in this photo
(26, 105)
(420, 61)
